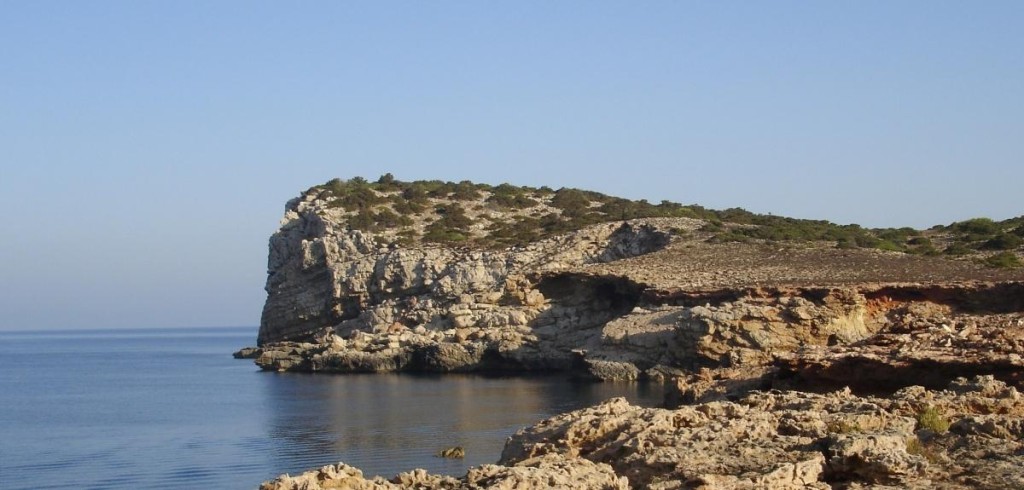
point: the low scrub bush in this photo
(1002, 241)
(930, 418)
(918, 448)
(1004, 260)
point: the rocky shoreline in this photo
(785, 365)
(965, 436)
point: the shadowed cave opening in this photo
(998, 298)
(606, 296)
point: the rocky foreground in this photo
(786, 365)
(966, 436)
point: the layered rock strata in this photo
(621, 300)
(324, 276)
(785, 365)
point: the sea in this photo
(171, 408)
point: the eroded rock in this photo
(767, 439)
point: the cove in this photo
(170, 408)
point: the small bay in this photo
(170, 408)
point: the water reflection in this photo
(388, 423)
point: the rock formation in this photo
(623, 299)
(965, 436)
(786, 364)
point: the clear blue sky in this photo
(148, 147)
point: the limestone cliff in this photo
(791, 358)
(355, 287)
(325, 277)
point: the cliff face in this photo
(615, 300)
(874, 347)
(327, 279)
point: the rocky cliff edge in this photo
(649, 297)
(787, 364)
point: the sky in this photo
(147, 148)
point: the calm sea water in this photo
(172, 409)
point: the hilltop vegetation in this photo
(486, 216)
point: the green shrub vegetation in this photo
(453, 225)
(918, 448)
(572, 202)
(957, 249)
(922, 246)
(975, 228)
(388, 203)
(930, 418)
(512, 201)
(466, 191)
(1002, 241)
(1004, 260)
(354, 194)
(730, 236)
(985, 234)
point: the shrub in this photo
(623, 209)
(918, 448)
(362, 220)
(976, 228)
(441, 190)
(580, 208)
(406, 238)
(519, 232)
(465, 191)
(385, 218)
(1002, 241)
(711, 226)
(896, 235)
(957, 249)
(737, 215)
(890, 246)
(360, 198)
(980, 226)
(930, 418)
(512, 201)
(453, 226)
(453, 216)
(919, 240)
(438, 234)
(553, 223)
(1004, 260)
(846, 243)
(866, 241)
(730, 236)
(584, 219)
(416, 192)
(407, 208)
(387, 183)
(572, 202)
(920, 245)
(335, 186)
(354, 194)
(924, 249)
